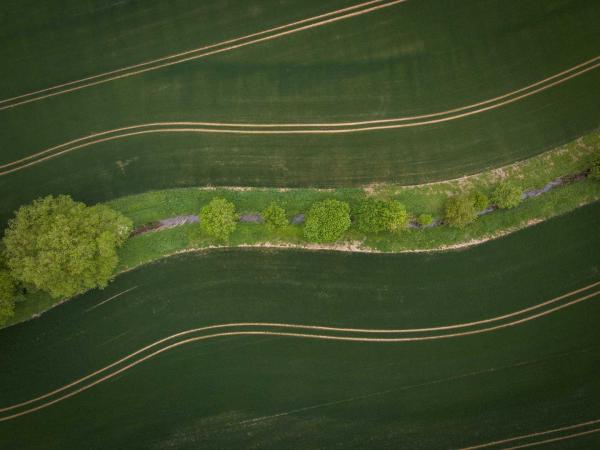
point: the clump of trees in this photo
(480, 200)
(374, 216)
(218, 218)
(63, 247)
(274, 216)
(506, 196)
(327, 220)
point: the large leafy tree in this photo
(218, 218)
(460, 211)
(8, 290)
(506, 196)
(374, 216)
(64, 247)
(327, 220)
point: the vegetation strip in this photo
(276, 326)
(205, 54)
(335, 128)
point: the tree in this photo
(274, 216)
(218, 218)
(327, 220)
(506, 196)
(425, 219)
(460, 211)
(64, 247)
(480, 200)
(8, 291)
(374, 216)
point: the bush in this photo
(274, 216)
(460, 211)
(374, 215)
(64, 247)
(218, 218)
(595, 170)
(8, 291)
(506, 196)
(480, 201)
(327, 220)
(425, 219)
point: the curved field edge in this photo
(429, 198)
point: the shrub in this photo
(460, 211)
(64, 247)
(425, 219)
(374, 215)
(8, 290)
(218, 218)
(327, 220)
(595, 170)
(274, 216)
(480, 201)
(506, 196)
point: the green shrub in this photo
(480, 201)
(8, 290)
(460, 211)
(274, 216)
(595, 170)
(506, 196)
(218, 219)
(327, 220)
(425, 219)
(64, 247)
(374, 216)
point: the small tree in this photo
(218, 218)
(8, 291)
(274, 216)
(480, 200)
(506, 196)
(425, 220)
(374, 216)
(327, 220)
(460, 211)
(64, 247)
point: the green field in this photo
(155, 107)
(407, 59)
(282, 392)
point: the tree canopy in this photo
(506, 196)
(327, 220)
(460, 211)
(374, 216)
(218, 218)
(274, 216)
(64, 247)
(7, 296)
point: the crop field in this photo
(373, 340)
(526, 306)
(385, 91)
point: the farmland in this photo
(154, 109)
(270, 391)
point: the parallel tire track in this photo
(201, 52)
(296, 331)
(303, 128)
